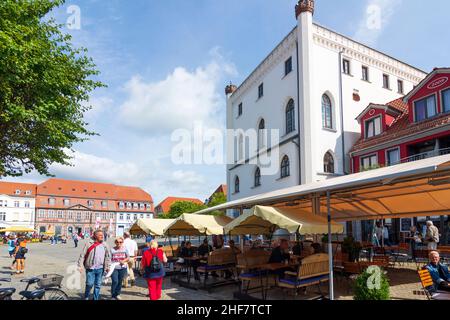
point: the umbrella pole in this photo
(330, 247)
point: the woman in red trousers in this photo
(153, 269)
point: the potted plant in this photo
(352, 248)
(372, 284)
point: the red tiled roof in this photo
(94, 190)
(401, 127)
(165, 205)
(9, 188)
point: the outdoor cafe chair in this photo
(428, 286)
(313, 271)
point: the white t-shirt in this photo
(131, 246)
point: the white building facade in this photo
(17, 205)
(310, 88)
(124, 220)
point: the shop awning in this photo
(265, 220)
(17, 229)
(420, 188)
(197, 225)
(153, 227)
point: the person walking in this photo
(19, 255)
(132, 249)
(96, 260)
(153, 269)
(432, 236)
(75, 240)
(11, 245)
(119, 259)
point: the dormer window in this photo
(17, 192)
(373, 127)
(446, 100)
(425, 108)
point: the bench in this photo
(428, 286)
(247, 265)
(220, 260)
(313, 271)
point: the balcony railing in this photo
(425, 155)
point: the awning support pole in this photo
(330, 247)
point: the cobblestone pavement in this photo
(61, 259)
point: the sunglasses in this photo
(119, 241)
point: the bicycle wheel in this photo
(55, 294)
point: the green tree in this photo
(45, 84)
(217, 199)
(372, 284)
(180, 207)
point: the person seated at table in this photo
(232, 246)
(439, 272)
(317, 248)
(297, 249)
(188, 252)
(280, 254)
(179, 249)
(204, 249)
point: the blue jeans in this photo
(93, 279)
(116, 278)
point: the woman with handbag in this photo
(152, 266)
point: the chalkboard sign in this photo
(405, 224)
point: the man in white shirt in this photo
(132, 249)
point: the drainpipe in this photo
(298, 121)
(341, 106)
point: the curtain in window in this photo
(326, 112)
(290, 115)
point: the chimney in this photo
(230, 89)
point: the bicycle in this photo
(48, 288)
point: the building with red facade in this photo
(408, 129)
(67, 206)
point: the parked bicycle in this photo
(47, 287)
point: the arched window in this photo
(290, 117)
(285, 167)
(261, 134)
(236, 184)
(327, 112)
(257, 177)
(328, 163)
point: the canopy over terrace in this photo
(265, 220)
(153, 227)
(420, 188)
(197, 225)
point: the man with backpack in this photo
(21, 250)
(96, 260)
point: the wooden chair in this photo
(313, 271)
(247, 264)
(219, 261)
(428, 286)
(402, 254)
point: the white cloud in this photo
(377, 15)
(93, 168)
(179, 100)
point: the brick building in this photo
(66, 206)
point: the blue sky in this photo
(166, 63)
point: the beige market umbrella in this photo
(153, 227)
(17, 229)
(197, 225)
(265, 220)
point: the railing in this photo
(425, 155)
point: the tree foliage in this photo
(180, 207)
(45, 84)
(217, 199)
(372, 285)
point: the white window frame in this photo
(373, 119)
(426, 98)
(442, 100)
(368, 156)
(387, 155)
